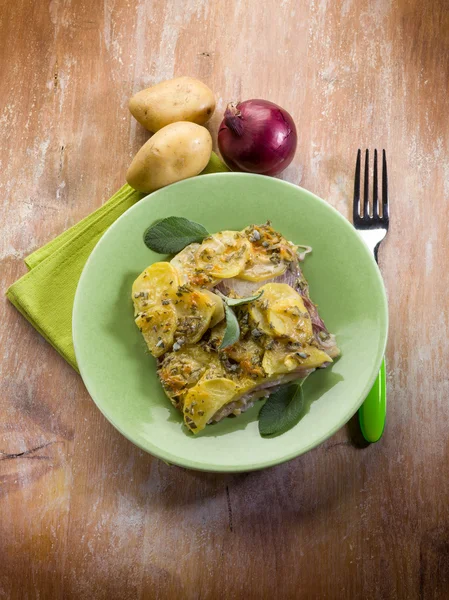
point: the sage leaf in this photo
(239, 301)
(173, 234)
(281, 411)
(232, 333)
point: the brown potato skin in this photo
(179, 99)
(177, 151)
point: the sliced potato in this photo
(219, 313)
(289, 318)
(194, 309)
(270, 253)
(280, 312)
(248, 355)
(158, 326)
(159, 281)
(217, 334)
(273, 292)
(183, 369)
(259, 317)
(282, 360)
(223, 254)
(184, 262)
(197, 353)
(244, 349)
(259, 267)
(205, 399)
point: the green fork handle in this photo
(373, 411)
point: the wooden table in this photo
(85, 514)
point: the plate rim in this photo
(189, 464)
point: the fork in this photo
(372, 225)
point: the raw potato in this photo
(176, 152)
(180, 99)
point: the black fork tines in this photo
(356, 203)
(384, 186)
(366, 188)
(375, 194)
(363, 216)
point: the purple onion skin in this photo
(257, 136)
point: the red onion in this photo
(257, 136)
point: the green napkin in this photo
(45, 294)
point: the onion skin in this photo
(257, 136)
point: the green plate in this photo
(121, 376)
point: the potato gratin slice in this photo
(180, 312)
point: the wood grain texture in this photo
(85, 514)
